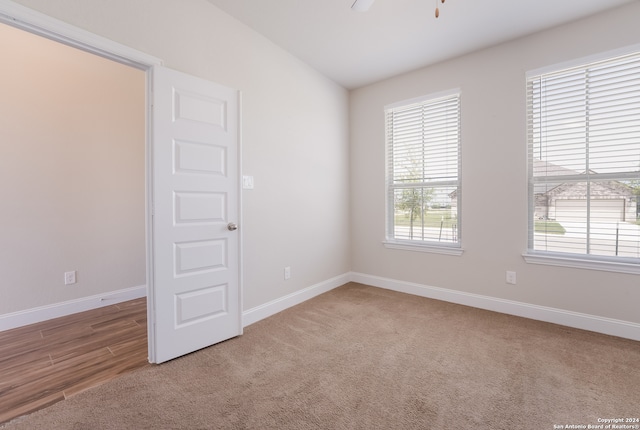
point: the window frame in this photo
(630, 265)
(391, 242)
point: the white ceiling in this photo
(396, 36)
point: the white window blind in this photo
(423, 171)
(584, 160)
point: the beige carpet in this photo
(359, 357)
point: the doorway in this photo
(73, 173)
(193, 304)
(72, 169)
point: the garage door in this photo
(609, 210)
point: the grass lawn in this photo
(549, 227)
(432, 218)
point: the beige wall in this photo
(71, 173)
(294, 133)
(494, 198)
(317, 155)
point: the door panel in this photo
(195, 294)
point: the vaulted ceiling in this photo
(396, 36)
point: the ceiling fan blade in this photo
(362, 5)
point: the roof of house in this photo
(558, 188)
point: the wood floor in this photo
(45, 363)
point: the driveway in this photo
(607, 238)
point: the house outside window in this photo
(583, 126)
(423, 174)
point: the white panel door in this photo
(195, 295)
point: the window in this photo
(584, 161)
(423, 173)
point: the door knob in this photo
(232, 226)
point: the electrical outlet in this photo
(70, 277)
(511, 278)
(287, 273)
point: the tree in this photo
(634, 184)
(415, 202)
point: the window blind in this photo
(583, 128)
(423, 171)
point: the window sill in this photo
(447, 250)
(582, 263)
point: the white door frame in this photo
(21, 17)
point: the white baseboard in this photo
(625, 329)
(43, 313)
(258, 313)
